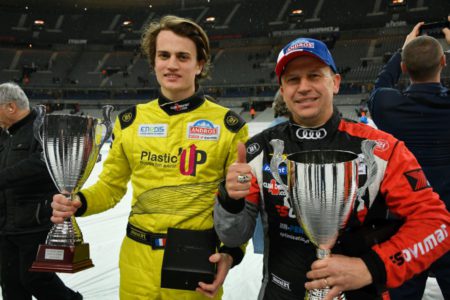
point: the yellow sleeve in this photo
(112, 182)
(240, 136)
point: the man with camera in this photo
(419, 116)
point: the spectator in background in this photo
(281, 112)
(281, 115)
(419, 116)
(363, 114)
(26, 189)
(175, 149)
(252, 112)
(366, 119)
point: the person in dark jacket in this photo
(419, 116)
(26, 189)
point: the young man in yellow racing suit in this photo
(176, 149)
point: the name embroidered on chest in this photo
(153, 130)
(203, 130)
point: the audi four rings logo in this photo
(309, 134)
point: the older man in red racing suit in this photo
(395, 231)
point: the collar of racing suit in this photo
(182, 106)
(321, 133)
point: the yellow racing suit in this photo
(175, 153)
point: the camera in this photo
(434, 29)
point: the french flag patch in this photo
(160, 242)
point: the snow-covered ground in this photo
(104, 232)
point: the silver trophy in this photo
(71, 145)
(322, 188)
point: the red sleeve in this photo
(424, 236)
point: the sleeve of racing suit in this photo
(423, 237)
(240, 137)
(111, 185)
(235, 227)
(237, 251)
(235, 220)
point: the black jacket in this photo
(26, 188)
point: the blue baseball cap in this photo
(300, 47)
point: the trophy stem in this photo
(323, 253)
(67, 233)
(319, 294)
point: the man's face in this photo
(5, 119)
(176, 65)
(308, 86)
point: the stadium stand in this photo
(87, 54)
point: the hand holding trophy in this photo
(322, 189)
(71, 145)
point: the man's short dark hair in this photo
(422, 57)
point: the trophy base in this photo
(63, 259)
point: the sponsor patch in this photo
(417, 180)
(253, 148)
(421, 248)
(233, 122)
(301, 44)
(382, 145)
(311, 134)
(179, 107)
(203, 130)
(282, 170)
(284, 284)
(126, 117)
(153, 130)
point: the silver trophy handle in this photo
(107, 109)
(367, 148)
(37, 124)
(277, 159)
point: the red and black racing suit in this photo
(400, 191)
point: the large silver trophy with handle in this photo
(322, 188)
(71, 145)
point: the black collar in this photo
(182, 106)
(323, 132)
(16, 126)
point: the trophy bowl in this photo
(322, 188)
(71, 145)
